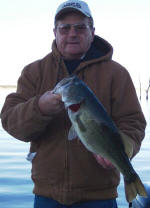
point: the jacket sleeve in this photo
(20, 114)
(126, 109)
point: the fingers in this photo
(103, 162)
(58, 97)
(50, 103)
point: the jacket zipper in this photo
(66, 144)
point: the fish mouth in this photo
(75, 106)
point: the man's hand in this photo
(50, 104)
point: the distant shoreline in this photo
(7, 86)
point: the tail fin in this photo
(134, 188)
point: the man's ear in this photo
(54, 30)
(93, 32)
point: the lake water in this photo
(15, 182)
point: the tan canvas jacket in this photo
(65, 170)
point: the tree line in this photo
(146, 90)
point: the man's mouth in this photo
(73, 43)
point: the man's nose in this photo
(72, 31)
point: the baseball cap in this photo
(73, 5)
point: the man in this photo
(65, 174)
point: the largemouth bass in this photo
(97, 131)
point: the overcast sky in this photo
(26, 33)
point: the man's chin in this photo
(73, 55)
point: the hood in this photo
(104, 47)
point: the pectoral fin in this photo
(72, 133)
(80, 123)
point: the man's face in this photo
(73, 35)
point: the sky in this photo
(26, 34)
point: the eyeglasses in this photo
(79, 28)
